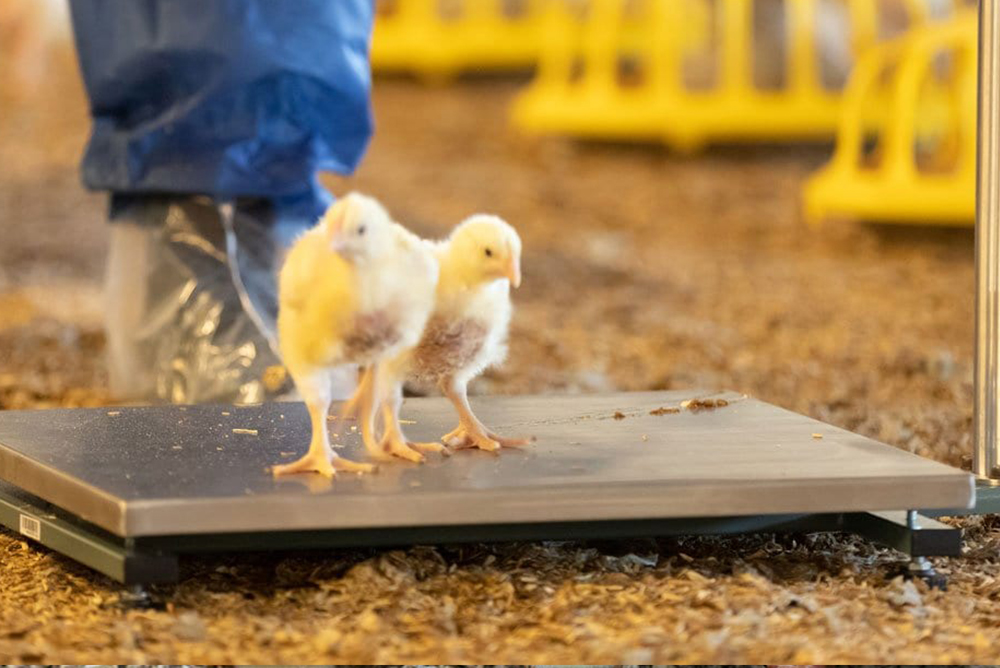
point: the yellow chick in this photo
(355, 289)
(466, 333)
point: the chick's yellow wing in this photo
(316, 301)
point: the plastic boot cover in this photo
(182, 325)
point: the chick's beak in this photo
(335, 229)
(338, 243)
(513, 272)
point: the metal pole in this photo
(986, 458)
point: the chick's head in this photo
(485, 248)
(358, 228)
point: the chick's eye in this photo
(489, 252)
(361, 231)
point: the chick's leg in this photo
(393, 441)
(320, 458)
(352, 406)
(368, 400)
(470, 431)
(352, 409)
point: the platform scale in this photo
(126, 491)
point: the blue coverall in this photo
(229, 98)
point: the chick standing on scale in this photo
(466, 333)
(353, 290)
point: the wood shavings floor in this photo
(642, 271)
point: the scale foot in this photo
(922, 568)
(137, 597)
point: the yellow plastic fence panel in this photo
(438, 39)
(619, 70)
(917, 162)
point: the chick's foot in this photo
(429, 447)
(313, 462)
(483, 439)
(351, 466)
(323, 464)
(393, 445)
(463, 437)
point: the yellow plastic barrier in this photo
(438, 39)
(580, 90)
(921, 166)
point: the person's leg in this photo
(197, 104)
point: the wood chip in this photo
(274, 378)
(250, 432)
(696, 405)
(618, 415)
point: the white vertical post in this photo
(986, 457)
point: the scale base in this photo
(146, 561)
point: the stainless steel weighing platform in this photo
(127, 490)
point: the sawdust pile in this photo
(785, 599)
(643, 271)
(49, 364)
